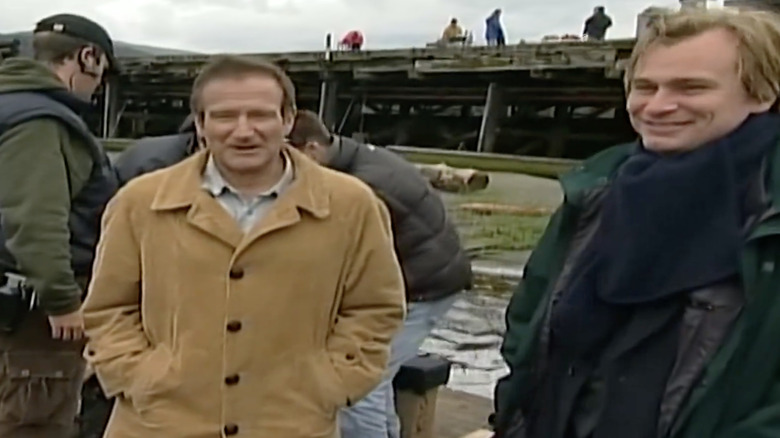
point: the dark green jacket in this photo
(42, 166)
(738, 395)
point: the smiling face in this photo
(687, 94)
(243, 123)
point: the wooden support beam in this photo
(560, 133)
(490, 118)
(328, 103)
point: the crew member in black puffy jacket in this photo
(435, 265)
(152, 153)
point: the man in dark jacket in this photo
(494, 31)
(435, 266)
(650, 306)
(55, 180)
(597, 24)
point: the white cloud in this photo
(286, 25)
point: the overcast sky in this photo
(284, 25)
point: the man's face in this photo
(690, 93)
(242, 123)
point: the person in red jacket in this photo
(353, 40)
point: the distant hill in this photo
(122, 48)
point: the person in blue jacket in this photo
(494, 32)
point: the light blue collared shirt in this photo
(247, 212)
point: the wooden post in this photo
(416, 389)
(490, 118)
(417, 413)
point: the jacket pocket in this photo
(154, 377)
(40, 388)
(302, 399)
(331, 384)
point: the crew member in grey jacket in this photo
(435, 266)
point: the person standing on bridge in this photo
(353, 40)
(435, 265)
(55, 180)
(596, 25)
(650, 307)
(494, 30)
(244, 291)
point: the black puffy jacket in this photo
(427, 243)
(152, 153)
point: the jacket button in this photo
(231, 429)
(236, 272)
(232, 380)
(234, 326)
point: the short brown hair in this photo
(56, 48)
(309, 127)
(235, 67)
(758, 33)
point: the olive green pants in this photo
(40, 382)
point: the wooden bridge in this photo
(558, 99)
(555, 99)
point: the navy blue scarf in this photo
(669, 225)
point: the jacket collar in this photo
(594, 172)
(343, 152)
(183, 184)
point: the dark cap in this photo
(84, 28)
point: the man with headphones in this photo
(55, 180)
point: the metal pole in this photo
(106, 110)
(328, 88)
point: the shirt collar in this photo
(214, 183)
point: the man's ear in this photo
(89, 60)
(289, 122)
(197, 119)
(764, 106)
(199, 136)
(313, 150)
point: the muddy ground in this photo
(470, 334)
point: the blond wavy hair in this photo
(758, 33)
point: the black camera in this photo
(16, 301)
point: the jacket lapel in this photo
(308, 192)
(208, 216)
(181, 190)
